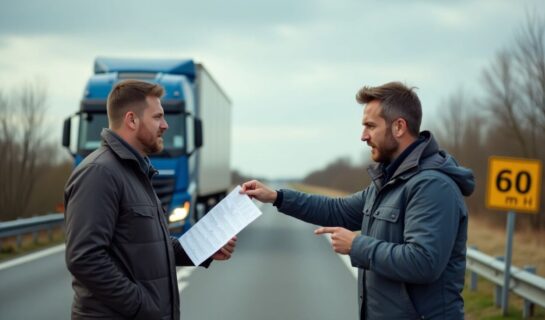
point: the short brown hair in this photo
(130, 95)
(397, 101)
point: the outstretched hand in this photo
(341, 238)
(259, 191)
(226, 251)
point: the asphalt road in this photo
(280, 270)
(37, 289)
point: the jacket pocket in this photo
(148, 306)
(408, 302)
(144, 224)
(388, 214)
(387, 224)
(143, 211)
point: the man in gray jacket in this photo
(411, 252)
(118, 247)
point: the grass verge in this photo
(9, 249)
(479, 304)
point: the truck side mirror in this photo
(198, 133)
(66, 132)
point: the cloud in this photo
(291, 68)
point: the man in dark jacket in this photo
(411, 252)
(118, 248)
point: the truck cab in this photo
(180, 183)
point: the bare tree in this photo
(452, 123)
(504, 100)
(22, 140)
(529, 57)
(515, 88)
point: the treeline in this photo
(32, 174)
(342, 175)
(506, 118)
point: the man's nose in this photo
(364, 136)
(164, 125)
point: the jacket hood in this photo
(445, 163)
(434, 159)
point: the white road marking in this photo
(345, 259)
(183, 274)
(32, 256)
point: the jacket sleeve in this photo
(344, 212)
(432, 219)
(91, 202)
(182, 259)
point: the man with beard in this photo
(118, 248)
(412, 217)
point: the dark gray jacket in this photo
(411, 253)
(118, 247)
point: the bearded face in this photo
(378, 134)
(152, 126)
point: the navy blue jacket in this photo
(411, 253)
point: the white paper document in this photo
(218, 226)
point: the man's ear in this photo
(399, 127)
(131, 120)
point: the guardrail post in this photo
(35, 237)
(528, 306)
(19, 241)
(50, 233)
(473, 276)
(498, 288)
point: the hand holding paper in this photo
(226, 251)
(218, 227)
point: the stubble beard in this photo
(385, 152)
(151, 142)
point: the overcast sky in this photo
(291, 68)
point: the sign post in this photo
(513, 184)
(511, 215)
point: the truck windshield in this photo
(91, 126)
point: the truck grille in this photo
(164, 187)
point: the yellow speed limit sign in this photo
(513, 184)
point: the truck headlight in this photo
(180, 213)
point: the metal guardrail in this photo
(19, 227)
(523, 282)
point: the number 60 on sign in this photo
(513, 184)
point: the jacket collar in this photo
(125, 151)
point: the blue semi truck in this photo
(194, 167)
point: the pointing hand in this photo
(341, 238)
